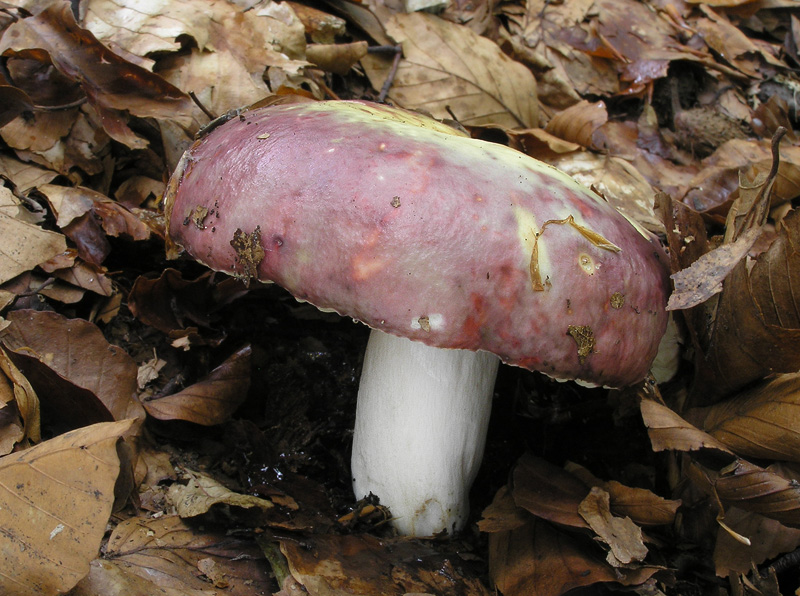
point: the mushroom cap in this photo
(413, 228)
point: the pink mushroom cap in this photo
(415, 229)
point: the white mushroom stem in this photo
(420, 430)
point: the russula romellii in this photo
(458, 253)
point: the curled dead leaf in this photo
(578, 122)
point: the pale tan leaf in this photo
(449, 66)
(25, 175)
(703, 279)
(337, 58)
(623, 537)
(201, 492)
(618, 181)
(25, 245)
(644, 507)
(55, 501)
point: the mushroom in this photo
(458, 253)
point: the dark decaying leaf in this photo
(83, 377)
(760, 423)
(365, 565)
(170, 302)
(166, 555)
(209, 401)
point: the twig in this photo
(398, 55)
(204, 109)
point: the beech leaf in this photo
(448, 65)
(212, 400)
(759, 423)
(55, 501)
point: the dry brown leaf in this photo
(718, 182)
(321, 27)
(759, 423)
(448, 66)
(538, 560)
(668, 431)
(329, 565)
(112, 578)
(87, 277)
(644, 507)
(235, 46)
(566, 73)
(81, 148)
(503, 514)
(768, 539)
(147, 557)
(25, 245)
(703, 278)
(579, 122)
(55, 516)
(72, 357)
(760, 490)
(212, 400)
(25, 175)
(730, 42)
(756, 330)
(69, 203)
(623, 537)
(13, 102)
(112, 85)
(170, 303)
(548, 491)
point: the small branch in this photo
(204, 109)
(398, 55)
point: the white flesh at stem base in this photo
(420, 430)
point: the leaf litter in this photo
(186, 387)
